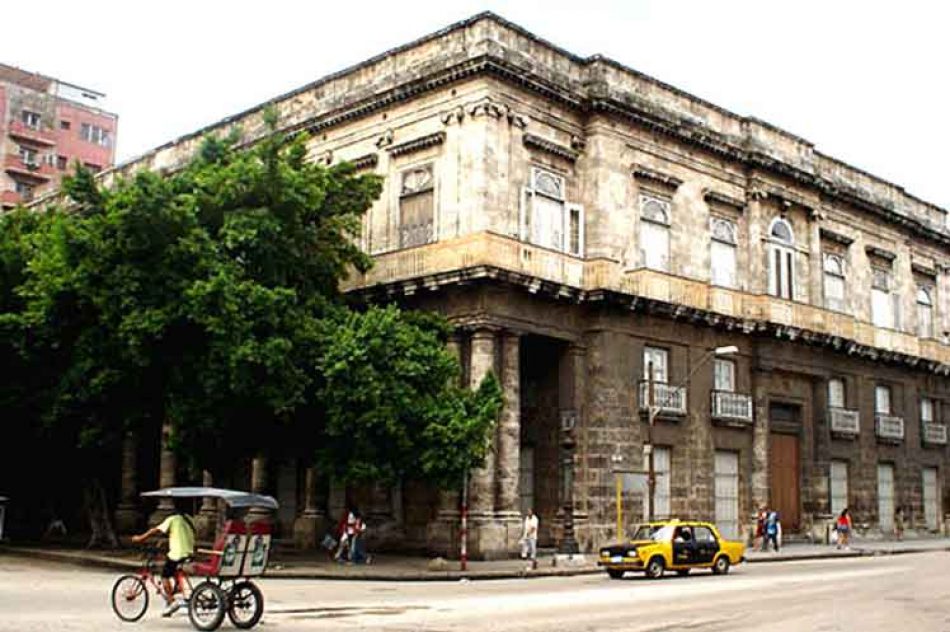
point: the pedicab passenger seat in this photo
(258, 549)
(227, 556)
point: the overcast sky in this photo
(866, 82)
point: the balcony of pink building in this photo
(39, 170)
(9, 199)
(18, 129)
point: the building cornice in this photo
(635, 303)
(485, 54)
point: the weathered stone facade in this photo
(518, 185)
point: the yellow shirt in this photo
(181, 536)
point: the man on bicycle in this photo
(180, 530)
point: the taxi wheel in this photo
(721, 567)
(654, 568)
(683, 572)
(614, 573)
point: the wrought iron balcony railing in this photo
(667, 399)
(729, 406)
(889, 427)
(934, 433)
(844, 421)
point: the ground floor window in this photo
(661, 499)
(931, 499)
(839, 486)
(885, 496)
(727, 493)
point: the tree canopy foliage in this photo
(208, 298)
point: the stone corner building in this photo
(577, 220)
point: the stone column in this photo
(760, 444)
(166, 476)
(258, 486)
(577, 357)
(312, 521)
(207, 522)
(509, 441)
(482, 485)
(442, 533)
(486, 536)
(127, 517)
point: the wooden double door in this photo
(785, 477)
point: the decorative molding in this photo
(874, 251)
(920, 268)
(656, 177)
(368, 161)
(487, 107)
(838, 238)
(578, 144)
(417, 144)
(515, 119)
(536, 142)
(455, 115)
(325, 158)
(634, 303)
(715, 197)
(385, 139)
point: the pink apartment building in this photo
(47, 125)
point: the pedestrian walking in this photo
(529, 538)
(358, 553)
(843, 526)
(758, 541)
(899, 523)
(346, 531)
(773, 531)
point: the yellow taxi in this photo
(672, 545)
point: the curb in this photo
(112, 563)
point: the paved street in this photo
(908, 592)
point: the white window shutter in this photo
(571, 210)
(524, 212)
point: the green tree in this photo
(209, 298)
(394, 408)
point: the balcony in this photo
(889, 428)
(934, 433)
(668, 400)
(732, 408)
(40, 171)
(543, 269)
(845, 422)
(9, 199)
(17, 129)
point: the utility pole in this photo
(648, 448)
(463, 531)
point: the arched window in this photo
(722, 252)
(925, 312)
(781, 259)
(654, 233)
(834, 278)
(781, 231)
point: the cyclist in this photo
(180, 529)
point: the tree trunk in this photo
(101, 532)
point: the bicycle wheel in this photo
(129, 598)
(207, 606)
(245, 605)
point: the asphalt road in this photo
(906, 592)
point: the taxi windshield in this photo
(657, 533)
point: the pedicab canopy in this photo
(232, 497)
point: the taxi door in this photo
(706, 545)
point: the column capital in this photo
(484, 331)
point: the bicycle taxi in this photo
(240, 552)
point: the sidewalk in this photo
(314, 565)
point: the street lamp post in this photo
(568, 542)
(653, 409)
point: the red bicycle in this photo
(240, 552)
(206, 600)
